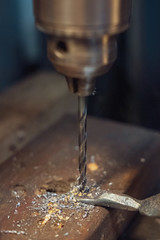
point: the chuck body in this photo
(82, 37)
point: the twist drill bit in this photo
(82, 114)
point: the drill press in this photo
(82, 45)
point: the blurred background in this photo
(130, 92)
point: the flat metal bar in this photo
(120, 159)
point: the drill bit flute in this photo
(82, 114)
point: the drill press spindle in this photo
(82, 114)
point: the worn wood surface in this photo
(30, 107)
(128, 162)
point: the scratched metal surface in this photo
(126, 159)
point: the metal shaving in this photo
(58, 208)
(13, 232)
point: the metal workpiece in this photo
(82, 114)
(82, 37)
(148, 207)
(118, 201)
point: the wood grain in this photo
(128, 160)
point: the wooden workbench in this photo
(128, 160)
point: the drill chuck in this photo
(82, 37)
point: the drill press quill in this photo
(82, 45)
